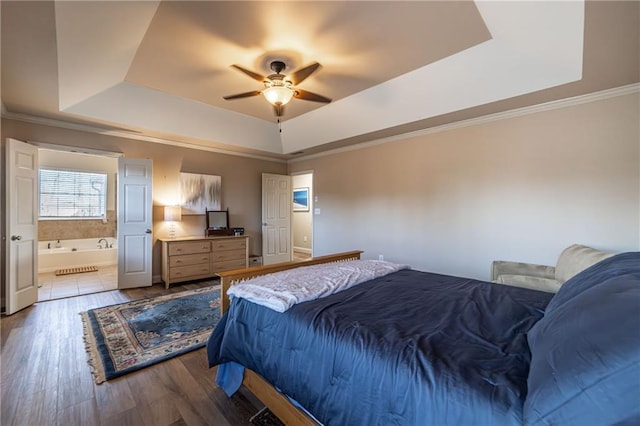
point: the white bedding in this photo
(281, 290)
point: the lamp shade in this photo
(278, 95)
(172, 214)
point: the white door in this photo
(22, 225)
(276, 218)
(134, 222)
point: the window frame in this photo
(79, 171)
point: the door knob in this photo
(16, 237)
(148, 231)
(264, 224)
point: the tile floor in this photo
(298, 255)
(57, 287)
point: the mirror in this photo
(217, 222)
(217, 219)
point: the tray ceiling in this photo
(162, 68)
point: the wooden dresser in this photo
(193, 258)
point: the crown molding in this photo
(128, 135)
(547, 106)
(519, 112)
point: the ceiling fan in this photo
(279, 88)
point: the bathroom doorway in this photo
(77, 246)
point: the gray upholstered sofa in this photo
(572, 260)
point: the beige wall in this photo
(301, 222)
(241, 176)
(521, 188)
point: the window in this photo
(72, 194)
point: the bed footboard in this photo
(277, 402)
(228, 278)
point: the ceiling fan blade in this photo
(298, 76)
(310, 96)
(279, 110)
(242, 95)
(250, 73)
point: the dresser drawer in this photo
(194, 258)
(229, 265)
(189, 271)
(189, 247)
(221, 256)
(230, 244)
(189, 259)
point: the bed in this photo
(413, 347)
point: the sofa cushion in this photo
(537, 283)
(577, 258)
(585, 351)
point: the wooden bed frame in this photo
(267, 394)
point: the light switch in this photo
(316, 210)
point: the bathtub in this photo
(76, 253)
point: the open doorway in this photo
(77, 226)
(302, 215)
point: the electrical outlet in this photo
(380, 257)
(304, 238)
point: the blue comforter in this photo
(410, 348)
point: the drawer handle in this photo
(178, 249)
(178, 261)
(178, 273)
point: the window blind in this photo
(68, 193)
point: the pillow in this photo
(577, 258)
(585, 357)
(619, 264)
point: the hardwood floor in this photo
(46, 380)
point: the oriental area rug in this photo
(126, 337)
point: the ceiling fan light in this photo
(278, 95)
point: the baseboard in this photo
(155, 279)
(302, 250)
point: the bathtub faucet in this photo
(106, 243)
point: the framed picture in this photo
(199, 193)
(301, 199)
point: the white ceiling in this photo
(161, 68)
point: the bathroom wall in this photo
(51, 230)
(70, 229)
